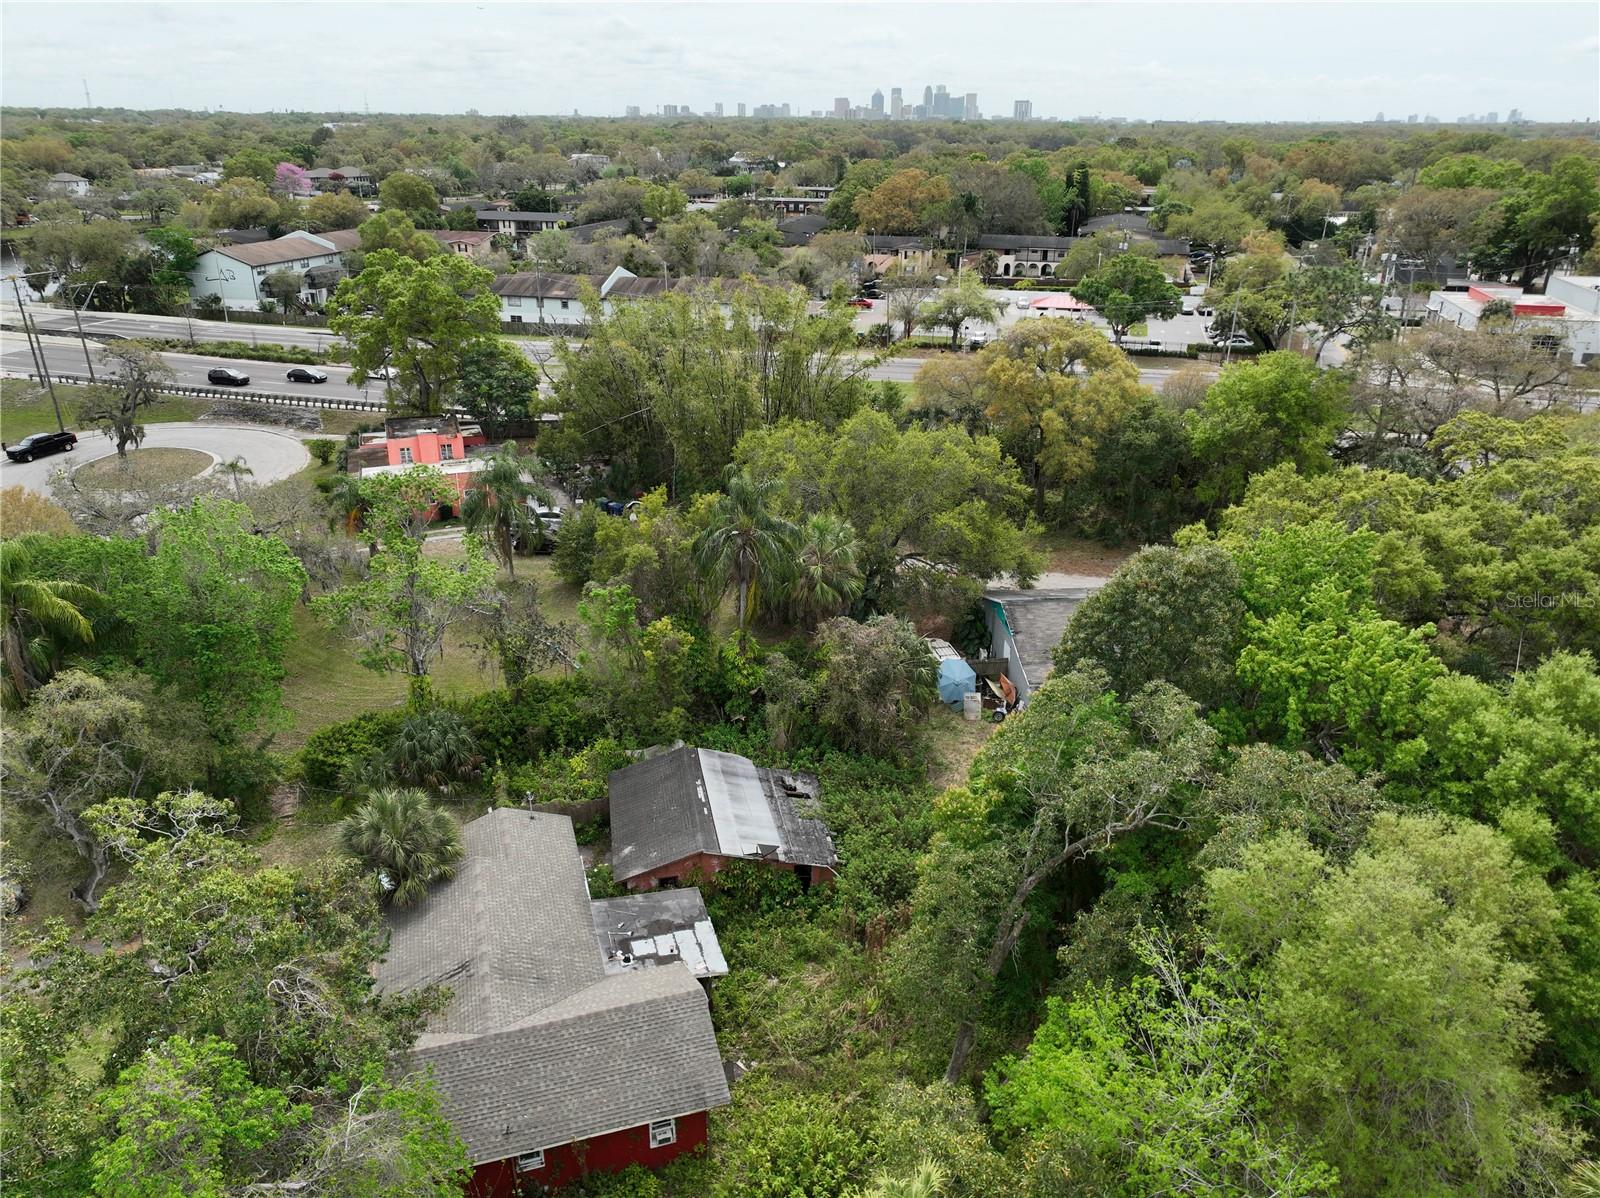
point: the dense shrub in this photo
(577, 545)
(541, 715)
(332, 750)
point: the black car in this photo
(227, 376)
(40, 444)
(303, 374)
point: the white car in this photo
(1237, 341)
(388, 373)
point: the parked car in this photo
(977, 341)
(227, 376)
(859, 302)
(383, 372)
(304, 374)
(1237, 341)
(543, 538)
(41, 444)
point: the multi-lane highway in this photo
(67, 356)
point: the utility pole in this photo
(77, 319)
(33, 351)
(1233, 328)
(38, 346)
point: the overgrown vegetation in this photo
(1283, 883)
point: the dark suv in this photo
(227, 376)
(40, 444)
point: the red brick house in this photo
(578, 1034)
(688, 812)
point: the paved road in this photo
(269, 376)
(66, 357)
(271, 455)
(111, 324)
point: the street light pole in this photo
(78, 320)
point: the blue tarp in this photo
(955, 679)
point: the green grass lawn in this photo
(324, 683)
(560, 601)
(25, 408)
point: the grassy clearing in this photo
(25, 408)
(324, 682)
(953, 741)
(337, 424)
(150, 467)
(1067, 554)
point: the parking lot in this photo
(1177, 333)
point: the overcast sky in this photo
(1194, 61)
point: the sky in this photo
(1181, 62)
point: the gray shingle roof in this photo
(1037, 620)
(510, 934)
(631, 1049)
(690, 801)
(289, 248)
(540, 1044)
(880, 243)
(546, 286)
(1023, 241)
(526, 217)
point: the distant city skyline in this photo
(1200, 61)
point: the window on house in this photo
(530, 1162)
(447, 452)
(515, 319)
(663, 1133)
(303, 263)
(565, 305)
(405, 456)
(513, 301)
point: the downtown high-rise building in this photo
(877, 103)
(633, 110)
(718, 108)
(896, 104)
(969, 109)
(1022, 110)
(841, 106)
(741, 108)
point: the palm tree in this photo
(40, 615)
(347, 503)
(236, 469)
(927, 1180)
(825, 578)
(745, 540)
(497, 505)
(405, 840)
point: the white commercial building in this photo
(1567, 316)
